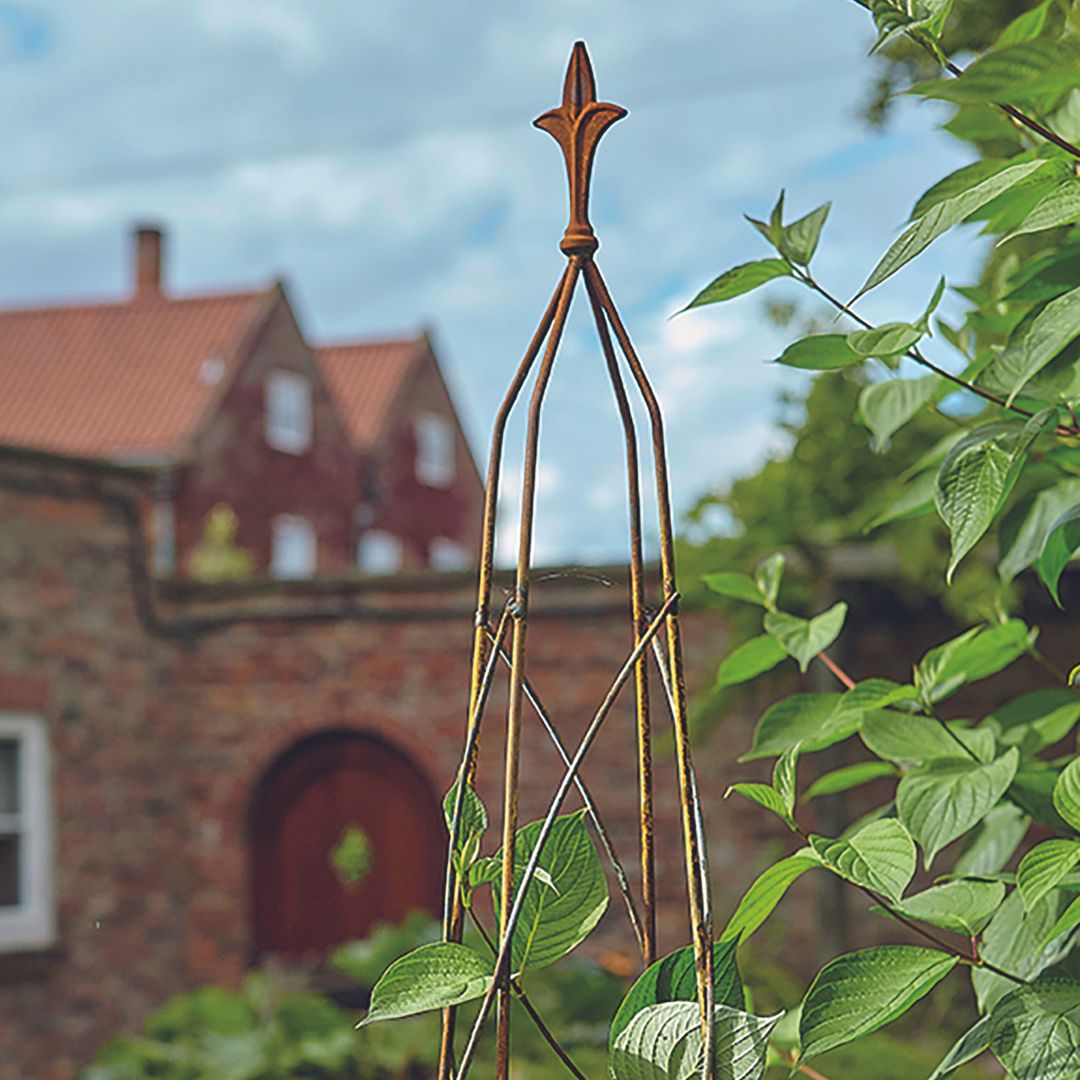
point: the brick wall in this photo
(164, 712)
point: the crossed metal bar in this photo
(577, 125)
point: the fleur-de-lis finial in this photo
(577, 126)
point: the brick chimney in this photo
(148, 245)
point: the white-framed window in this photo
(447, 554)
(294, 547)
(27, 904)
(434, 450)
(288, 416)
(379, 552)
(163, 531)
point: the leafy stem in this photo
(972, 959)
(914, 353)
(1024, 119)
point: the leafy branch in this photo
(916, 354)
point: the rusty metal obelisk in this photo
(577, 126)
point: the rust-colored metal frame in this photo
(577, 125)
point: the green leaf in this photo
(805, 638)
(942, 217)
(1025, 26)
(765, 893)
(767, 575)
(977, 475)
(1060, 207)
(811, 719)
(1024, 546)
(766, 796)
(961, 907)
(915, 740)
(1037, 720)
(956, 183)
(784, 777)
(1033, 791)
(1070, 918)
(1035, 1030)
(850, 776)
(431, 977)
(892, 18)
(556, 917)
(750, 659)
(1067, 793)
(1011, 75)
(889, 339)
(860, 992)
(474, 819)
(820, 352)
(1048, 715)
(663, 1042)
(1043, 867)
(942, 800)
(799, 240)
(737, 586)
(674, 979)
(484, 872)
(739, 280)
(967, 1048)
(914, 500)
(1012, 943)
(776, 220)
(1062, 543)
(880, 857)
(993, 843)
(1040, 341)
(976, 654)
(885, 407)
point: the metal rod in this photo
(638, 616)
(708, 1051)
(586, 797)
(462, 778)
(509, 925)
(519, 611)
(694, 885)
(452, 921)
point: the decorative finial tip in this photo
(576, 125)
(580, 85)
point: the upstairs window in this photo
(434, 450)
(447, 554)
(163, 529)
(288, 412)
(379, 552)
(27, 915)
(294, 548)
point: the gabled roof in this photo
(121, 380)
(365, 379)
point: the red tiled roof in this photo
(364, 379)
(122, 379)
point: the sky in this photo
(380, 158)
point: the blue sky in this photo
(381, 158)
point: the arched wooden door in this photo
(322, 787)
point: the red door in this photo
(324, 786)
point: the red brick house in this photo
(336, 457)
